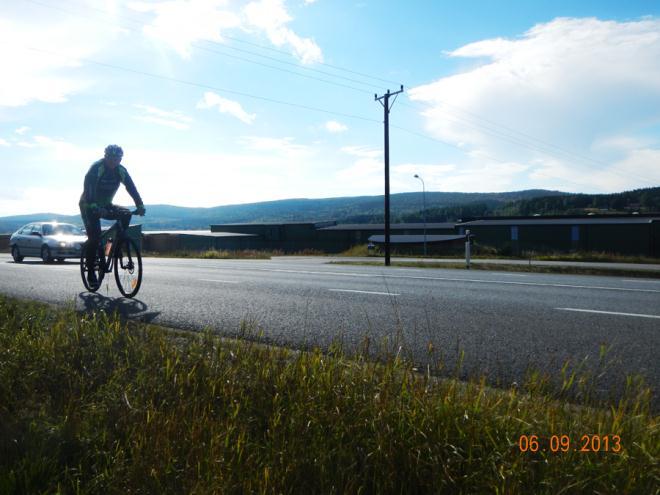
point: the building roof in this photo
(415, 239)
(393, 226)
(563, 221)
(274, 224)
(197, 233)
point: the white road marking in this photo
(219, 281)
(365, 292)
(642, 281)
(448, 279)
(412, 277)
(608, 312)
(38, 266)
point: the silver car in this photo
(48, 241)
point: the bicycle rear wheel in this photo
(128, 267)
(98, 269)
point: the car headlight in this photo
(63, 244)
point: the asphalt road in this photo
(502, 322)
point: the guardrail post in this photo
(467, 249)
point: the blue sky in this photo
(223, 102)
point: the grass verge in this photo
(569, 270)
(91, 404)
(217, 254)
(486, 252)
(225, 254)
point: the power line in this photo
(487, 128)
(495, 129)
(217, 52)
(257, 97)
(141, 24)
(263, 47)
(336, 67)
(543, 149)
(489, 156)
(195, 84)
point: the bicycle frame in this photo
(116, 234)
(118, 252)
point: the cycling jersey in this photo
(101, 184)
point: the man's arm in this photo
(89, 191)
(132, 190)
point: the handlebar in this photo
(105, 211)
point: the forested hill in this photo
(641, 200)
(405, 207)
(361, 209)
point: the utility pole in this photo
(385, 102)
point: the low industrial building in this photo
(328, 237)
(418, 244)
(197, 240)
(630, 234)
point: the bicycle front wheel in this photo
(128, 268)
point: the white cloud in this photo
(272, 17)
(335, 127)
(270, 171)
(154, 115)
(362, 151)
(281, 146)
(41, 58)
(365, 174)
(4, 142)
(57, 149)
(181, 23)
(22, 130)
(552, 97)
(224, 105)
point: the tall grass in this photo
(91, 404)
(228, 254)
(505, 267)
(488, 252)
(220, 254)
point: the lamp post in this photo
(423, 208)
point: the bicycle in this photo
(116, 250)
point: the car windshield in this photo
(62, 228)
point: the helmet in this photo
(112, 150)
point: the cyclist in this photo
(101, 184)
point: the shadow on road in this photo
(126, 308)
(40, 262)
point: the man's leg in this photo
(119, 213)
(93, 227)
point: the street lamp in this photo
(424, 208)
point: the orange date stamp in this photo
(558, 444)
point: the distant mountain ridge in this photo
(358, 209)
(645, 200)
(404, 207)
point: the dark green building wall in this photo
(183, 242)
(624, 239)
(631, 239)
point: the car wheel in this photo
(45, 254)
(60, 260)
(16, 254)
